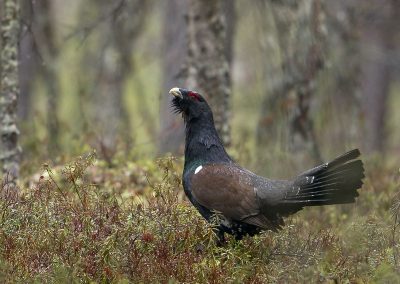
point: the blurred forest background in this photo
(302, 80)
(291, 83)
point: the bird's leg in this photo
(220, 237)
(238, 236)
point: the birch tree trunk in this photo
(9, 149)
(207, 63)
(175, 48)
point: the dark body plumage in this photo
(244, 202)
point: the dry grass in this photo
(88, 223)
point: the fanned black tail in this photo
(335, 182)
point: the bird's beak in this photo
(176, 93)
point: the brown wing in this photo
(230, 190)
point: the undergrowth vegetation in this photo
(86, 222)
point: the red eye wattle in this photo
(194, 95)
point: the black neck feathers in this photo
(203, 144)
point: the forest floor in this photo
(86, 222)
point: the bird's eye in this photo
(195, 96)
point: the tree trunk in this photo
(127, 30)
(374, 87)
(9, 149)
(27, 73)
(342, 89)
(379, 25)
(38, 56)
(28, 62)
(107, 96)
(174, 50)
(117, 41)
(207, 63)
(299, 38)
(229, 10)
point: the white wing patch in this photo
(198, 169)
(310, 179)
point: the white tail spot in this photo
(198, 169)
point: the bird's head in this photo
(191, 104)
